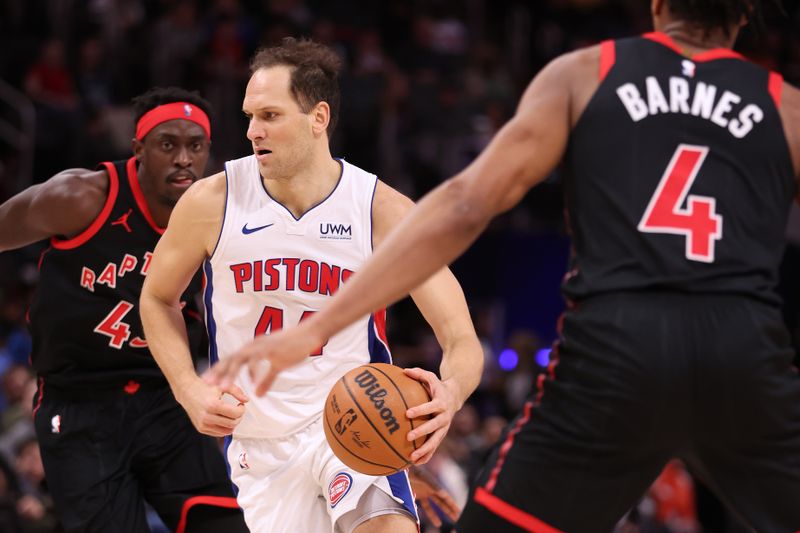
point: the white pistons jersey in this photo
(271, 270)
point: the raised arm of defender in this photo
(443, 224)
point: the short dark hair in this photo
(719, 14)
(315, 73)
(166, 95)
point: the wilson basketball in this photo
(365, 418)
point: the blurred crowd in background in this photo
(426, 85)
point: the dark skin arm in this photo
(790, 114)
(64, 206)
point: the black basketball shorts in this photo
(107, 451)
(640, 378)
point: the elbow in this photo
(469, 213)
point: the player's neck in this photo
(158, 208)
(694, 40)
(306, 188)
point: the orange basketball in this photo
(365, 418)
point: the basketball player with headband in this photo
(111, 434)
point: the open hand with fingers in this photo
(265, 357)
(443, 405)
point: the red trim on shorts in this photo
(133, 179)
(215, 501)
(512, 514)
(608, 56)
(776, 88)
(507, 446)
(39, 399)
(94, 227)
(708, 55)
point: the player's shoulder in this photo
(790, 99)
(576, 64)
(389, 203)
(210, 190)
(78, 187)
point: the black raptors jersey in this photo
(85, 317)
(678, 174)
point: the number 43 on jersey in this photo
(698, 221)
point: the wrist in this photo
(182, 385)
(456, 392)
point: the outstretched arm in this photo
(189, 238)
(64, 205)
(440, 227)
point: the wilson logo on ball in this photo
(375, 392)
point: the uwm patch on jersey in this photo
(259, 281)
(678, 175)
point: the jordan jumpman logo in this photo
(123, 220)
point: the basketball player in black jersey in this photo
(681, 161)
(111, 434)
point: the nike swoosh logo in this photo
(248, 231)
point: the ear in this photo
(320, 118)
(137, 147)
(656, 6)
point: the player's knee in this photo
(396, 523)
(377, 512)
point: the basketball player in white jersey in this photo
(277, 233)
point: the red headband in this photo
(175, 110)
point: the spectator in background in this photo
(51, 86)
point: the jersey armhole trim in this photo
(219, 243)
(94, 227)
(608, 56)
(776, 88)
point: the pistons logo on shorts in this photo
(339, 488)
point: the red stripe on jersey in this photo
(664, 39)
(41, 258)
(516, 516)
(708, 55)
(608, 56)
(776, 88)
(133, 179)
(507, 446)
(380, 326)
(94, 227)
(39, 399)
(215, 501)
(717, 53)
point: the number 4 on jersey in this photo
(698, 221)
(118, 331)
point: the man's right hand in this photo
(210, 410)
